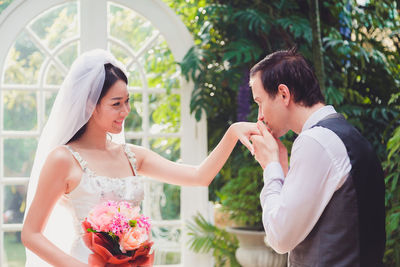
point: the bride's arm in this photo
(152, 165)
(52, 185)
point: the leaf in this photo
(191, 63)
(393, 144)
(298, 26)
(242, 51)
(394, 220)
(205, 237)
(332, 42)
(334, 95)
(198, 114)
(256, 22)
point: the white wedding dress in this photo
(94, 189)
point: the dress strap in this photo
(81, 161)
(131, 157)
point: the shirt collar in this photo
(317, 116)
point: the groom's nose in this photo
(260, 116)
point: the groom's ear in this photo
(284, 93)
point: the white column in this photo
(193, 199)
(93, 27)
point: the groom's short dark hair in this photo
(290, 68)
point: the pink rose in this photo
(101, 217)
(133, 238)
(131, 213)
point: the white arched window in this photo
(40, 40)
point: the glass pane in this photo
(120, 54)
(167, 245)
(14, 250)
(54, 76)
(20, 112)
(166, 147)
(133, 123)
(23, 61)
(57, 25)
(129, 27)
(165, 199)
(135, 79)
(68, 54)
(134, 141)
(167, 257)
(14, 203)
(49, 101)
(160, 67)
(171, 210)
(165, 113)
(18, 156)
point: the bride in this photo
(77, 166)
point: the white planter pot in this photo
(253, 251)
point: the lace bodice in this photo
(94, 189)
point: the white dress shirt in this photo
(292, 205)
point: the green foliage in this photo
(20, 155)
(296, 25)
(171, 209)
(362, 70)
(230, 37)
(157, 61)
(256, 21)
(191, 62)
(205, 236)
(20, 110)
(240, 197)
(241, 51)
(392, 180)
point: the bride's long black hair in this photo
(112, 75)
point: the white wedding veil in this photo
(72, 109)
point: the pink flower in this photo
(144, 222)
(133, 238)
(128, 211)
(102, 216)
(119, 224)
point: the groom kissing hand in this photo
(268, 149)
(328, 208)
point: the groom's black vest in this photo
(351, 229)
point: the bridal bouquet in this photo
(118, 235)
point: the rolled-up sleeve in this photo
(293, 204)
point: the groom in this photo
(328, 210)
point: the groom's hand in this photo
(268, 149)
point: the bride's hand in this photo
(243, 131)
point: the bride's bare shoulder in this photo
(60, 156)
(140, 153)
(137, 149)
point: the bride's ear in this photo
(96, 109)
